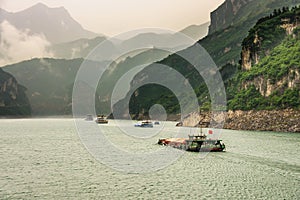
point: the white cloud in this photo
(17, 45)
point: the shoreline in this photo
(287, 120)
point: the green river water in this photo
(45, 159)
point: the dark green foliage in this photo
(143, 103)
(116, 70)
(283, 56)
(268, 31)
(13, 99)
(49, 83)
(278, 54)
(281, 59)
(232, 35)
(246, 99)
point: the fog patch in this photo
(17, 45)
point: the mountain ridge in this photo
(225, 47)
(55, 23)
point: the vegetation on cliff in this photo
(269, 78)
(231, 23)
(13, 100)
(271, 82)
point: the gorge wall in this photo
(225, 14)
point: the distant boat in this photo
(145, 124)
(89, 118)
(101, 119)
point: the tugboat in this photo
(195, 143)
(101, 119)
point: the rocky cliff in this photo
(245, 12)
(265, 92)
(270, 59)
(13, 100)
(266, 86)
(267, 34)
(225, 14)
(276, 120)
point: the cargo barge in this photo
(195, 143)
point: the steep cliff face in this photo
(266, 34)
(245, 12)
(230, 24)
(225, 14)
(270, 75)
(250, 54)
(274, 68)
(266, 87)
(13, 100)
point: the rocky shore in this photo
(274, 120)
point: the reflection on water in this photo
(44, 158)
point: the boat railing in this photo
(197, 137)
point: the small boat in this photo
(195, 143)
(101, 119)
(145, 124)
(89, 118)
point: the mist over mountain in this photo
(40, 31)
(196, 32)
(32, 32)
(223, 43)
(56, 24)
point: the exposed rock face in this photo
(194, 119)
(266, 87)
(275, 120)
(251, 52)
(224, 15)
(13, 100)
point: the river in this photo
(46, 159)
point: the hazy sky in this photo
(112, 17)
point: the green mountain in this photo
(230, 24)
(13, 100)
(270, 68)
(236, 12)
(243, 58)
(226, 47)
(49, 83)
(117, 69)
